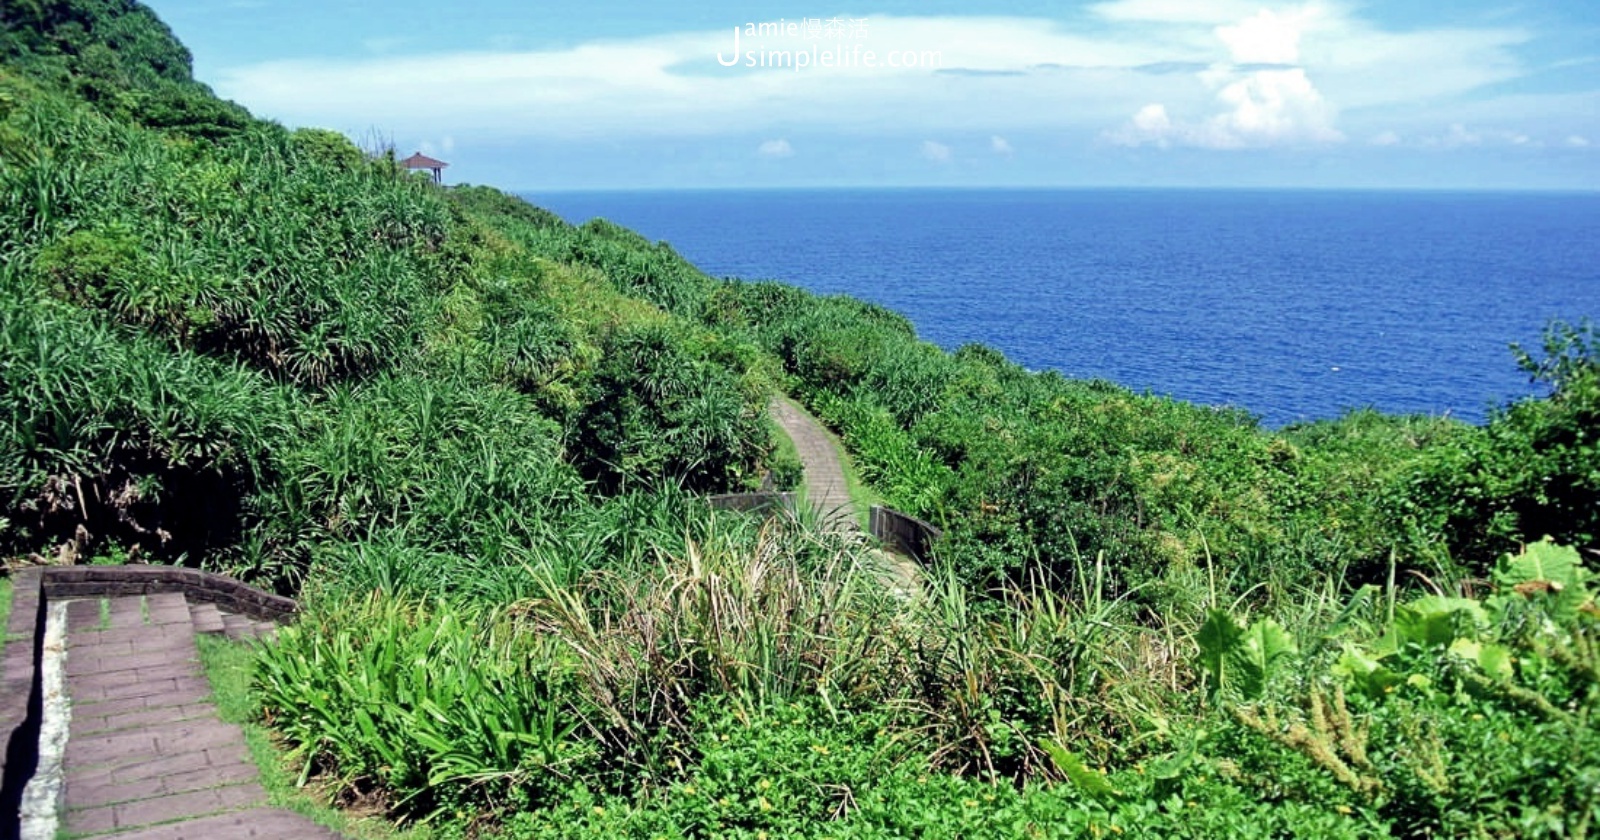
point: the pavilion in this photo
(422, 161)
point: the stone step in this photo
(106, 614)
(207, 618)
(167, 608)
(238, 627)
(210, 619)
(259, 823)
(146, 756)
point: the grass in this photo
(5, 612)
(229, 666)
(862, 497)
(786, 451)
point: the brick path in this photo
(826, 490)
(147, 757)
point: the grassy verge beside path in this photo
(229, 666)
(5, 612)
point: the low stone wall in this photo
(907, 535)
(205, 587)
(766, 504)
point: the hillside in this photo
(467, 433)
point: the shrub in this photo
(656, 412)
(1454, 717)
(1533, 471)
(123, 439)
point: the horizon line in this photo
(1564, 191)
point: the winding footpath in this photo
(826, 489)
(829, 495)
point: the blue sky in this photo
(610, 94)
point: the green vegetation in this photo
(229, 667)
(787, 470)
(118, 57)
(250, 352)
(5, 612)
(474, 440)
(781, 692)
(1030, 471)
(786, 693)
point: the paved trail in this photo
(147, 757)
(826, 489)
(830, 495)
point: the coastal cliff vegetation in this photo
(475, 440)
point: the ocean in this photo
(1293, 305)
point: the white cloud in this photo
(1387, 138)
(1263, 38)
(1359, 66)
(1577, 142)
(1266, 106)
(1457, 137)
(1260, 109)
(1150, 125)
(1198, 59)
(776, 149)
(443, 146)
(1000, 145)
(1175, 11)
(1461, 136)
(1022, 71)
(936, 152)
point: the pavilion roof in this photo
(422, 161)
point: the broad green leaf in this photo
(1217, 637)
(1173, 766)
(1543, 561)
(1549, 574)
(1073, 768)
(1365, 671)
(1466, 649)
(1434, 621)
(1494, 660)
(1241, 660)
(1255, 658)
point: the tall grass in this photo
(262, 252)
(620, 664)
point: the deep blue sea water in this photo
(1293, 305)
